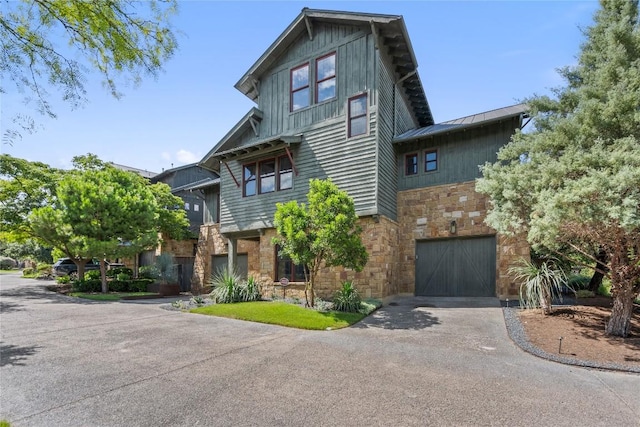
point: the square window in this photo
(286, 268)
(300, 87)
(430, 161)
(196, 207)
(326, 77)
(411, 164)
(357, 115)
(249, 180)
(186, 206)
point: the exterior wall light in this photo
(453, 227)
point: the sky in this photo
(473, 56)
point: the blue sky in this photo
(473, 57)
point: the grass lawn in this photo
(111, 296)
(282, 313)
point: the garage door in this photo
(461, 267)
(220, 262)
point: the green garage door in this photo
(220, 262)
(460, 267)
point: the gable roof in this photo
(464, 123)
(390, 33)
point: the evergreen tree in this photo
(575, 180)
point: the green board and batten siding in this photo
(325, 150)
(459, 154)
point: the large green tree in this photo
(52, 44)
(323, 233)
(574, 181)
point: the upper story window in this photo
(411, 164)
(431, 161)
(300, 87)
(186, 206)
(196, 207)
(326, 77)
(249, 180)
(267, 176)
(357, 115)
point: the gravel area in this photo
(518, 335)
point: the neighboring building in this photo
(338, 96)
(189, 183)
(142, 172)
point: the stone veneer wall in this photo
(426, 213)
(377, 280)
(211, 242)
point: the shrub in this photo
(7, 263)
(139, 285)
(578, 281)
(148, 272)
(92, 274)
(44, 268)
(585, 293)
(87, 285)
(63, 280)
(167, 271)
(347, 298)
(123, 277)
(114, 272)
(229, 287)
(541, 283)
(28, 272)
(118, 286)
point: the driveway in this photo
(415, 362)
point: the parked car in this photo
(66, 266)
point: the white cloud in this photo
(186, 156)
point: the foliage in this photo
(139, 285)
(585, 293)
(228, 287)
(87, 285)
(148, 272)
(166, 268)
(370, 305)
(347, 298)
(281, 313)
(325, 232)
(27, 249)
(24, 186)
(120, 39)
(63, 280)
(578, 282)
(7, 263)
(540, 284)
(575, 180)
(92, 274)
(29, 272)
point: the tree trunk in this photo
(599, 269)
(620, 321)
(546, 301)
(80, 265)
(103, 276)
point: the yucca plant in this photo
(225, 286)
(540, 283)
(249, 290)
(347, 298)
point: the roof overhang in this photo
(391, 37)
(262, 146)
(198, 185)
(465, 123)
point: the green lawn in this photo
(281, 313)
(111, 296)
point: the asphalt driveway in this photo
(418, 361)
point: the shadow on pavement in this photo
(399, 317)
(15, 355)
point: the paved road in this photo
(420, 362)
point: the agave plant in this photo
(225, 286)
(540, 283)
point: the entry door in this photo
(460, 267)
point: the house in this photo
(338, 95)
(187, 182)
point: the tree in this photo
(113, 37)
(575, 180)
(325, 232)
(103, 211)
(24, 186)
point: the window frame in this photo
(259, 175)
(416, 165)
(292, 91)
(333, 77)
(351, 118)
(426, 161)
(294, 278)
(279, 172)
(255, 179)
